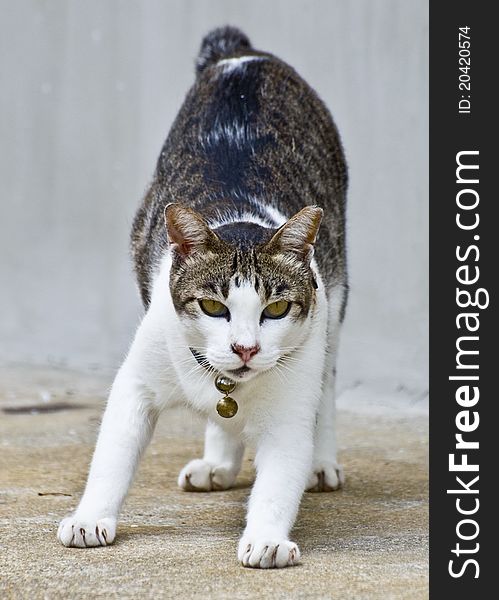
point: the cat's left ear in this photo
(187, 231)
(298, 235)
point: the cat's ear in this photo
(298, 235)
(187, 231)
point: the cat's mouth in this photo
(241, 372)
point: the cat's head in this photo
(244, 293)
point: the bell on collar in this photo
(226, 406)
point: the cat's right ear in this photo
(187, 231)
(298, 235)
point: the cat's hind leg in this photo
(218, 469)
(327, 474)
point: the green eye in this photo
(277, 310)
(213, 308)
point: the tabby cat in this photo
(239, 283)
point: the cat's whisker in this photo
(289, 359)
(290, 362)
(286, 368)
(275, 369)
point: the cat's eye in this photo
(277, 310)
(213, 308)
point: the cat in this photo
(238, 278)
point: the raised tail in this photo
(220, 43)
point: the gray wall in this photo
(88, 92)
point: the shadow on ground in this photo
(368, 540)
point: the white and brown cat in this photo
(238, 278)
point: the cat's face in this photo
(245, 295)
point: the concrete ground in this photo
(368, 540)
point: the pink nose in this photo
(245, 352)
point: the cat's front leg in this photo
(126, 429)
(218, 469)
(283, 460)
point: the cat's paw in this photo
(262, 553)
(201, 476)
(326, 477)
(86, 533)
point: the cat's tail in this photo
(221, 43)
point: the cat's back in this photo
(252, 125)
(252, 137)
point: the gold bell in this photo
(227, 407)
(224, 384)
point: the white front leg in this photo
(283, 461)
(126, 429)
